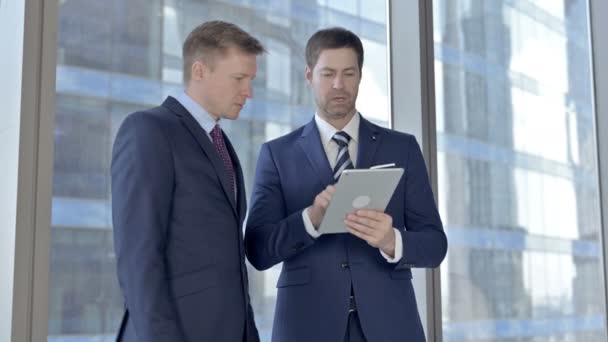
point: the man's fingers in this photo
(357, 234)
(365, 230)
(375, 216)
(371, 224)
(323, 202)
(371, 214)
(326, 196)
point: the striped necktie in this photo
(343, 161)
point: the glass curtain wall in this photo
(517, 172)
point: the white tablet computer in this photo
(359, 189)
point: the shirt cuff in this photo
(398, 249)
(310, 229)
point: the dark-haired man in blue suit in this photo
(178, 201)
(341, 287)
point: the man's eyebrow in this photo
(352, 68)
(242, 74)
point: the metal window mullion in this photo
(412, 97)
(598, 25)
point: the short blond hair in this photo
(215, 37)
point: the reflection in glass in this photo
(517, 172)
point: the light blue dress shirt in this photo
(198, 112)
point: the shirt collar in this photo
(200, 115)
(327, 131)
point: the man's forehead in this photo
(335, 67)
(337, 59)
(338, 53)
(338, 65)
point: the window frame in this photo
(412, 111)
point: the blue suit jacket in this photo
(315, 281)
(177, 232)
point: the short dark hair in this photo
(213, 37)
(332, 38)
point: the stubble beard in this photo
(338, 113)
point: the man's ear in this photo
(308, 75)
(198, 70)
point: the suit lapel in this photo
(241, 203)
(241, 206)
(310, 143)
(205, 143)
(370, 138)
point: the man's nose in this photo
(248, 91)
(338, 83)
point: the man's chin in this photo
(339, 113)
(232, 116)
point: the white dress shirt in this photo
(327, 131)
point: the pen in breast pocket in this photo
(382, 166)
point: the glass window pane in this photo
(115, 57)
(517, 172)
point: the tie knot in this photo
(341, 138)
(216, 132)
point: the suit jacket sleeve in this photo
(142, 187)
(424, 241)
(272, 234)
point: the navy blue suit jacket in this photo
(177, 232)
(317, 274)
